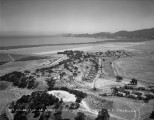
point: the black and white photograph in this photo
(76, 59)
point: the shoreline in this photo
(75, 43)
(106, 46)
(55, 51)
(43, 45)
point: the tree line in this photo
(20, 80)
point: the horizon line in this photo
(34, 33)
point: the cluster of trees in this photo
(80, 116)
(35, 103)
(119, 78)
(103, 115)
(72, 54)
(11, 76)
(133, 81)
(3, 116)
(69, 66)
(47, 69)
(50, 83)
(19, 79)
(95, 62)
(118, 53)
(91, 75)
(152, 115)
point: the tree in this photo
(119, 78)
(45, 115)
(152, 115)
(31, 83)
(26, 71)
(62, 74)
(58, 115)
(3, 116)
(78, 99)
(20, 116)
(80, 116)
(75, 74)
(23, 82)
(103, 115)
(36, 114)
(134, 81)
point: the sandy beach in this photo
(102, 47)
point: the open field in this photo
(146, 110)
(17, 56)
(18, 66)
(104, 83)
(1, 63)
(143, 110)
(4, 85)
(117, 110)
(140, 66)
(4, 58)
(5, 98)
(27, 58)
(97, 103)
(42, 85)
(122, 110)
(108, 69)
(136, 67)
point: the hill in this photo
(144, 33)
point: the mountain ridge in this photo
(143, 33)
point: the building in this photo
(132, 96)
(121, 94)
(128, 92)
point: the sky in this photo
(75, 16)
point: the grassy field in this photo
(3, 85)
(27, 58)
(137, 67)
(96, 103)
(4, 58)
(17, 56)
(122, 110)
(108, 69)
(42, 85)
(1, 63)
(21, 65)
(5, 98)
(118, 109)
(106, 84)
(146, 111)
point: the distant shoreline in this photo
(96, 42)
(42, 45)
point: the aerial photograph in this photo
(76, 59)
